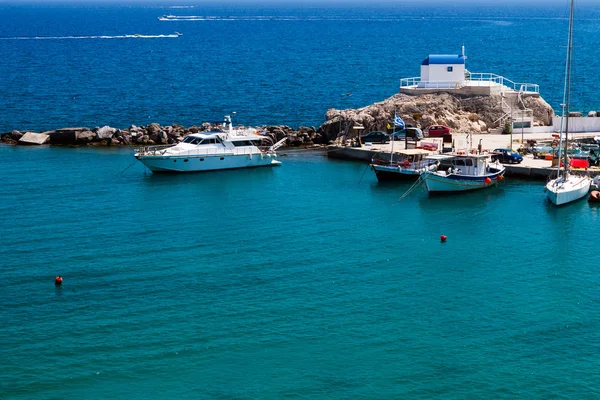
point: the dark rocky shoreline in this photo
(153, 134)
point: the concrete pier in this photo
(530, 168)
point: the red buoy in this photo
(500, 178)
(443, 238)
(58, 281)
(488, 181)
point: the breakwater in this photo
(153, 134)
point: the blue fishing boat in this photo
(461, 172)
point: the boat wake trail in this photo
(136, 36)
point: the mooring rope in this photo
(363, 174)
(410, 189)
(129, 166)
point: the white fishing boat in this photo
(567, 187)
(403, 165)
(463, 172)
(226, 148)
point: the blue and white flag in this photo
(398, 122)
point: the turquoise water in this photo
(301, 281)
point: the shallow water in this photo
(297, 281)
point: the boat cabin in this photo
(198, 139)
(468, 164)
(202, 139)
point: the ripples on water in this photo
(297, 281)
(272, 66)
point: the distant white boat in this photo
(210, 151)
(567, 187)
(170, 17)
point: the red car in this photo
(437, 130)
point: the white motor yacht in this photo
(213, 150)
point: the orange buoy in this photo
(488, 181)
(443, 238)
(500, 178)
(58, 281)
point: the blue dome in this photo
(444, 59)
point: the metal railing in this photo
(200, 152)
(471, 79)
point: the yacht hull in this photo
(206, 162)
(563, 191)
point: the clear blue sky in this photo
(310, 2)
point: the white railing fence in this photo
(471, 79)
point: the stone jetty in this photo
(153, 134)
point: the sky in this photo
(305, 2)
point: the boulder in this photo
(153, 129)
(106, 132)
(85, 137)
(11, 137)
(34, 138)
(163, 138)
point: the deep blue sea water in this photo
(309, 280)
(272, 65)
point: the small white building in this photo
(448, 73)
(443, 71)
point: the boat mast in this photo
(393, 131)
(568, 85)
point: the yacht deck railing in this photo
(207, 152)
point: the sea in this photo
(310, 280)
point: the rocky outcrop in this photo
(475, 114)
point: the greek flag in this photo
(398, 122)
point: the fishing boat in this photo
(221, 148)
(463, 172)
(594, 196)
(403, 165)
(567, 187)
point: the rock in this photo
(85, 137)
(106, 132)
(162, 138)
(11, 137)
(34, 138)
(153, 129)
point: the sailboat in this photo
(567, 187)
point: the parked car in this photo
(408, 133)
(506, 156)
(375, 137)
(437, 131)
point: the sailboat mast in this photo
(393, 132)
(568, 84)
